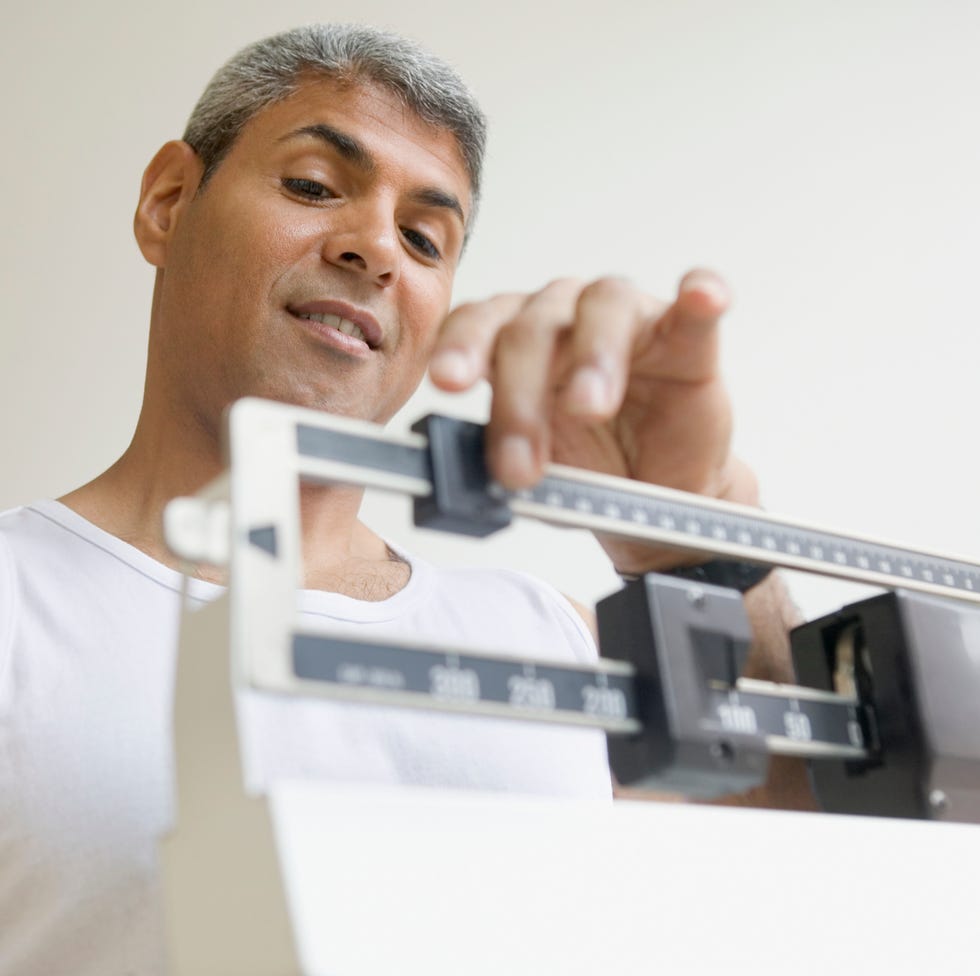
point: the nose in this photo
(365, 242)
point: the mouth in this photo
(326, 317)
(335, 322)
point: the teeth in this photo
(348, 328)
(336, 322)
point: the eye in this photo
(310, 189)
(421, 243)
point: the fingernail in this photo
(453, 366)
(515, 457)
(707, 284)
(588, 392)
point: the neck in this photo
(167, 459)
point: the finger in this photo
(523, 377)
(464, 347)
(685, 340)
(608, 316)
(518, 435)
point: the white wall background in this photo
(823, 156)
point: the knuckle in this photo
(516, 415)
(506, 304)
(610, 286)
(555, 298)
(481, 311)
(562, 286)
(519, 417)
(463, 311)
(524, 330)
(515, 332)
(520, 342)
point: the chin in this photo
(331, 402)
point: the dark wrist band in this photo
(719, 572)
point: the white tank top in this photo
(88, 629)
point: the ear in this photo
(169, 185)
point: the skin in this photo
(285, 220)
(605, 377)
(598, 375)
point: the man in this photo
(305, 235)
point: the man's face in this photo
(317, 264)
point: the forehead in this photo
(374, 116)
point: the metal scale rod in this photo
(604, 503)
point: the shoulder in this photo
(15, 521)
(8, 597)
(47, 539)
(19, 529)
(40, 538)
(14, 525)
(31, 543)
(32, 528)
(513, 607)
(58, 566)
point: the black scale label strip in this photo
(363, 451)
(464, 678)
(525, 689)
(801, 720)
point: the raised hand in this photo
(605, 377)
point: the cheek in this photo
(249, 244)
(424, 309)
(264, 244)
(278, 224)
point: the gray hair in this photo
(274, 68)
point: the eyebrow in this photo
(431, 197)
(354, 151)
(350, 148)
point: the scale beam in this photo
(667, 690)
(352, 452)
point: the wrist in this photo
(729, 573)
(736, 483)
